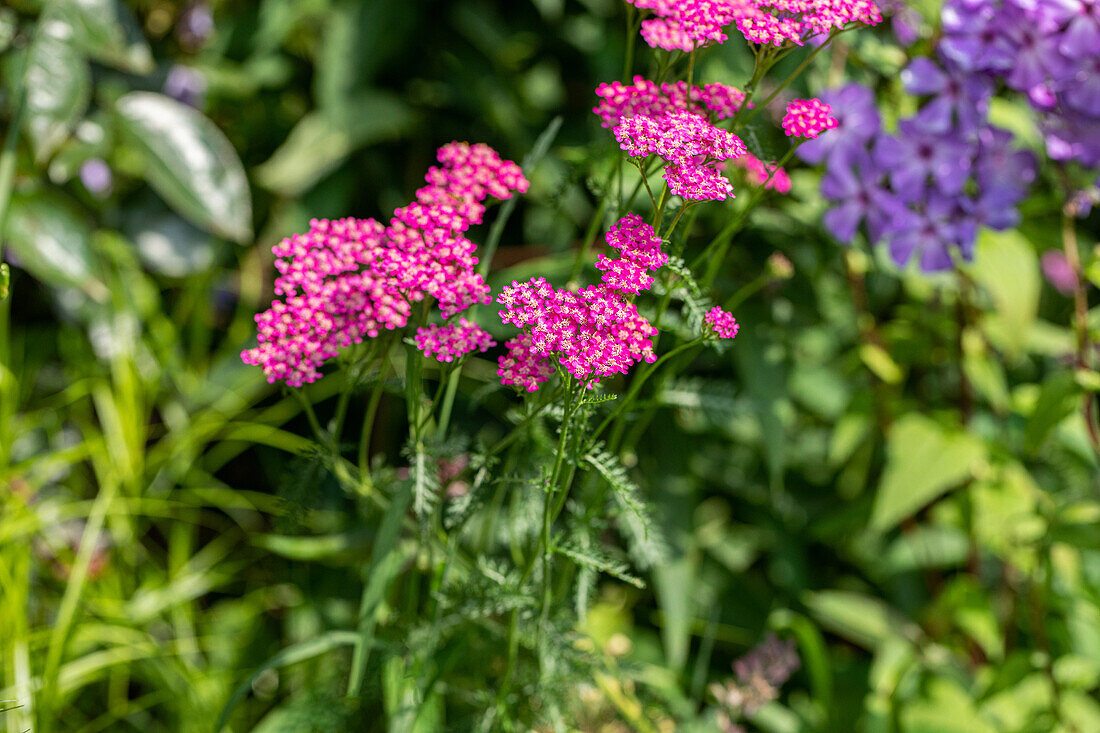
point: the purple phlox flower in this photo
(1081, 21)
(195, 25)
(1071, 136)
(957, 98)
(1036, 58)
(1080, 90)
(858, 121)
(186, 85)
(1003, 173)
(930, 234)
(856, 185)
(973, 36)
(96, 176)
(914, 157)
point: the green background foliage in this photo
(890, 468)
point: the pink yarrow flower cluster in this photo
(593, 332)
(690, 146)
(721, 323)
(640, 252)
(808, 118)
(780, 22)
(759, 173)
(619, 101)
(448, 342)
(522, 365)
(686, 25)
(350, 279)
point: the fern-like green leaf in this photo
(598, 559)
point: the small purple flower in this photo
(96, 176)
(914, 157)
(1058, 272)
(185, 85)
(930, 235)
(195, 26)
(973, 37)
(857, 187)
(958, 98)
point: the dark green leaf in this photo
(1059, 397)
(189, 162)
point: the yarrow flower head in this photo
(451, 341)
(686, 25)
(782, 22)
(722, 324)
(640, 252)
(350, 279)
(808, 118)
(690, 146)
(522, 366)
(620, 101)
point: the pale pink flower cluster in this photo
(620, 101)
(808, 118)
(690, 146)
(759, 173)
(685, 25)
(779, 22)
(350, 279)
(723, 324)
(523, 366)
(640, 252)
(447, 342)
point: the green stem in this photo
(631, 36)
(7, 187)
(590, 235)
(635, 387)
(747, 291)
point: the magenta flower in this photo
(640, 251)
(347, 280)
(808, 118)
(1058, 272)
(759, 173)
(451, 341)
(721, 323)
(522, 366)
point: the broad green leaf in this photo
(881, 364)
(106, 31)
(926, 547)
(861, 619)
(923, 461)
(321, 141)
(189, 162)
(52, 238)
(59, 86)
(1006, 266)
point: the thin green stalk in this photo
(794, 74)
(746, 292)
(7, 187)
(631, 36)
(635, 387)
(314, 424)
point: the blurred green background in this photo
(891, 469)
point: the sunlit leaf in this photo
(923, 461)
(52, 239)
(1008, 269)
(59, 86)
(107, 31)
(189, 162)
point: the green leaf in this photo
(1059, 397)
(291, 655)
(923, 461)
(52, 238)
(647, 542)
(189, 162)
(1007, 268)
(926, 547)
(859, 618)
(59, 86)
(321, 141)
(5, 281)
(597, 559)
(107, 31)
